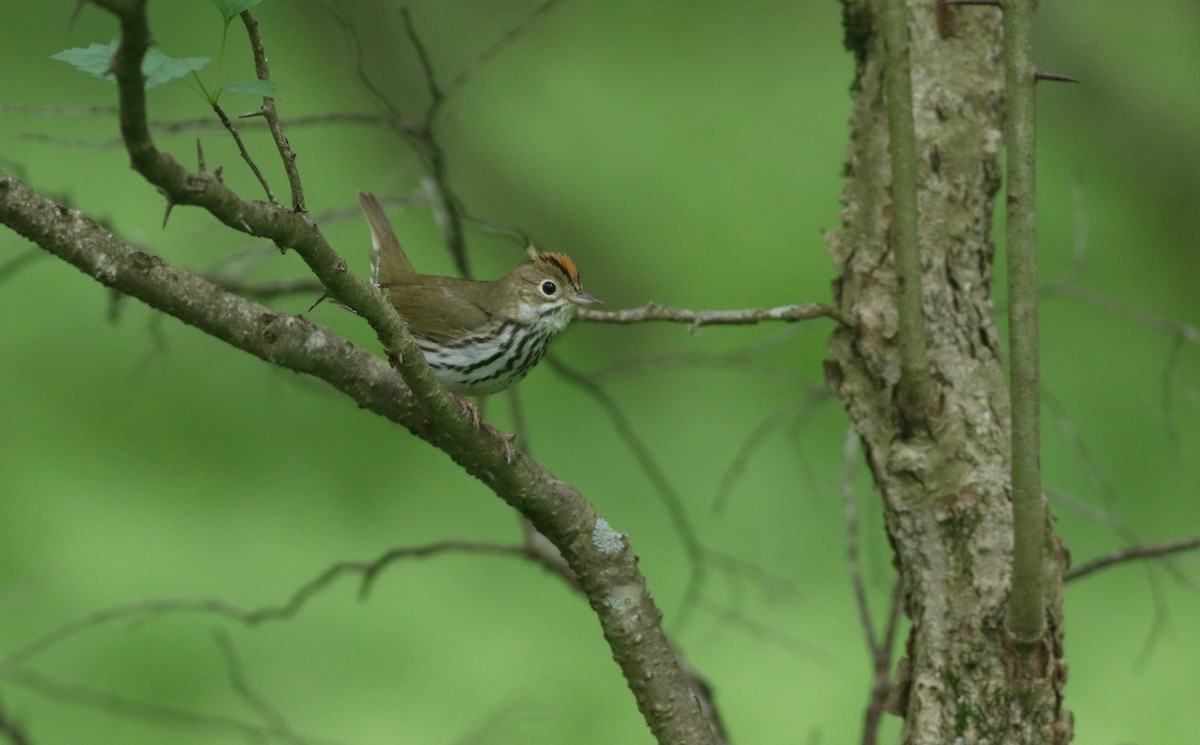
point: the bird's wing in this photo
(440, 310)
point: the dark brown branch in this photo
(1131, 554)
(444, 203)
(435, 91)
(184, 126)
(696, 318)
(267, 290)
(12, 730)
(601, 558)
(367, 570)
(263, 70)
(18, 262)
(479, 60)
(850, 455)
(274, 720)
(1186, 332)
(57, 690)
(241, 146)
(882, 683)
(880, 649)
(792, 411)
(671, 500)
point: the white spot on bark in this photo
(606, 539)
(106, 269)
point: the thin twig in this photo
(850, 453)
(697, 318)
(1130, 554)
(435, 91)
(241, 686)
(669, 497)
(18, 262)
(737, 360)
(446, 207)
(267, 290)
(760, 632)
(57, 111)
(1154, 582)
(880, 649)
(263, 70)
(12, 730)
(1187, 332)
(115, 703)
(367, 570)
(882, 683)
(463, 76)
(802, 405)
(184, 126)
(245, 154)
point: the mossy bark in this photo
(944, 478)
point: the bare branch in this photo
(601, 558)
(267, 290)
(368, 571)
(1187, 332)
(114, 703)
(18, 262)
(850, 454)
(241, 146)
(880, 649)
(680, 521)
(286, 154)
(883, 687)
(12, 730)
(805, 404)
(207, 124)
(1130, 554)
(241, 686)
(697, 318)
(500, 44)
(435, 92)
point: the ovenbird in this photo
(479, 337)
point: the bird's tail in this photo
(389, 265)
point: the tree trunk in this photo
(944, 480)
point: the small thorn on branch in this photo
(170, 206)
(1054, 77)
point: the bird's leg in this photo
(508, 440)
(472, 411)
(469, 409)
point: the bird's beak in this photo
(582, 298)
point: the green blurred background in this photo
(683, 152)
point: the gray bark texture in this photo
(944, 477)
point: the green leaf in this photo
(256, 88)
(231, 8)
(157, 67)
(94, 60)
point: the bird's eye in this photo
(549, 288)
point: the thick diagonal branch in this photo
(600, 557)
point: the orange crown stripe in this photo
(565, 263)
